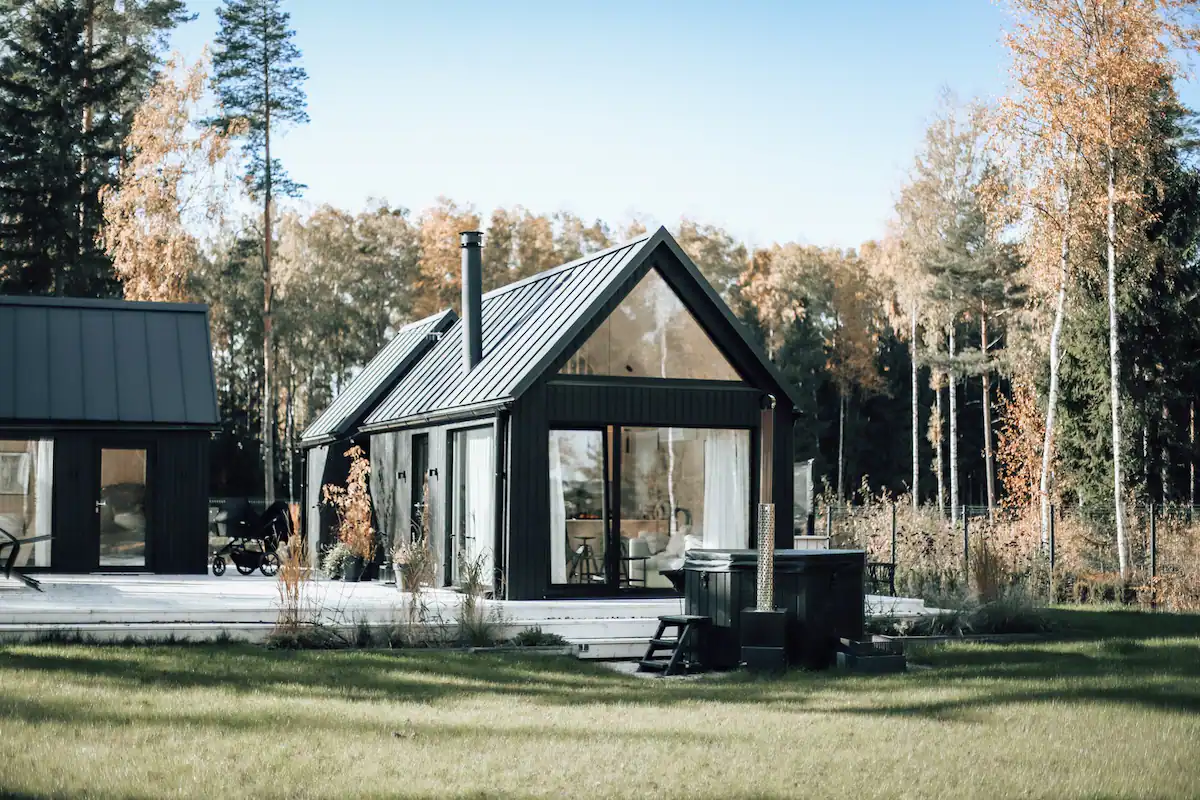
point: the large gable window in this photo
(651, 335)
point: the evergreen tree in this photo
(259, 84)
(52, 165)
(974, 276)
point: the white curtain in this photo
(44, 494)
(727, 489)
(558, 514)
(481, 516)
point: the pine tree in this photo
(975, 275)
(52, 165)
(259, 84)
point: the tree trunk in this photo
(841, 445)
(1164, 457)
(1114, 369)
(916, 441)
(1192, 453)
(937, 449)
(268, 412)
(953, 434)
(987, 417)
(289, 435)
(1060, 305)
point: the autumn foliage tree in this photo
(173, 180)
(1085, 74)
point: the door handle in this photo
(100, 504)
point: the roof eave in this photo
(441, 416)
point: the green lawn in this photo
(1113, 716)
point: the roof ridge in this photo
(570, 264)
(113, 304)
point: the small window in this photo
(651, 335)
(26, 490)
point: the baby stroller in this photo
(253, 540)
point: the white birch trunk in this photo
(916, 441)
(988, 456)
(1114, 369)
(1052, 401)
(953, 434)
(937, 449)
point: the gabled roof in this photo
(529, 326)
(380, 374)
(70, 360)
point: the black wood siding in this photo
(177, 508)
(179, 503)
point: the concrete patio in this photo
(204, 607)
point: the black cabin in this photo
(106, 410)
(575, 432)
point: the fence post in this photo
(1153, 552)
(966, 548)
(893, 535)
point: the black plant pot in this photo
(352, 569)
(764, 640)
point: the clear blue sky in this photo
(779, 121)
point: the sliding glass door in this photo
(579, 507)
(626, 503)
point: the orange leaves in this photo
(174, 175)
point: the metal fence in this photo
(934, 555)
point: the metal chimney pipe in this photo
(472, 297)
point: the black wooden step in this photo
(664, 644)
(684, 619)
(650, 665)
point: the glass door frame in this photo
(613, 451)
(98, 447)
(610, 465)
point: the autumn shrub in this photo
(353, 505)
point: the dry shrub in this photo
(353, 505)
(298, 622)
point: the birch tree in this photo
(176, 177)
(1085, 75)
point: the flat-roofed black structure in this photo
(106, 410)
(325, 442)
(577, 431)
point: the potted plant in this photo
(414, 564)
(334, 561)
(353, 505)
(414, 560)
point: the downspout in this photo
(500, 562)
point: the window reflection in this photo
(26, 486)
(578, 518)
(681, 489)
(122, 508)
(651, 335)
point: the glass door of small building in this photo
(122, 508)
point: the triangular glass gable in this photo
(651, 334)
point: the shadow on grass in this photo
(1148, 670)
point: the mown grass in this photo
(1114, 715)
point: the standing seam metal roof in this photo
(520, 323)
(379, 375)
(71, 360)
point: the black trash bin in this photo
(821, 590)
